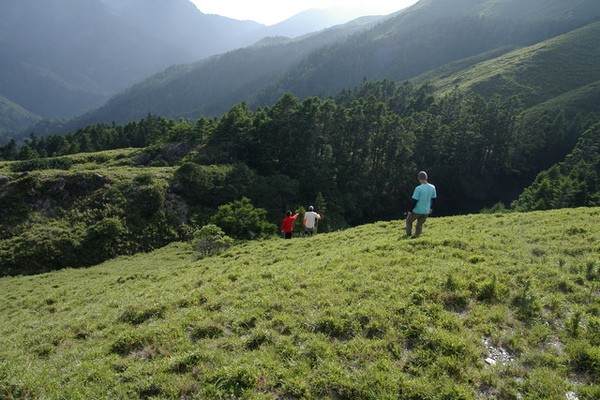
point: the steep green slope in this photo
(582, 100)
(456, 67)
(536, 73)
(526, 10)
(482, 306)
(426, 36)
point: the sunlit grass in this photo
(500, 305)
(527, 71)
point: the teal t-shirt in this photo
(423, 194)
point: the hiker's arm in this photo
(413, 204)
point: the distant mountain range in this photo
(445, 43)
(63, 57)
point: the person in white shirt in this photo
(310, 220)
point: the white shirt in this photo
(310, 218)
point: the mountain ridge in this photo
(573, 56)
(216, 80)
(387, 52)
(399, 47)
(63, 58)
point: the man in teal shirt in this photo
(422, 202)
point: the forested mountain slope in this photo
(60, 58)
(85, 48)
(428, 35)
(423, 37)
(575, 182)
(210, 86)
(13, 117)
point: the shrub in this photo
(498, 208)
(145, 198)
(215, 184)
(241, 220)
(211, 239)
(104, 237)
(41, 248)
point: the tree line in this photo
(574, 182)
(359, 150)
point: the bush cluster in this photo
(82, 219)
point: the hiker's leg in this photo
(410, 219)
(420, 221)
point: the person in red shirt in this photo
(287, 226)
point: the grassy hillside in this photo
(536, 73)
(530, 10)
(583, 100)
(456, 67)
(83, 209)
(495, 305)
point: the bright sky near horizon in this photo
(270, 12)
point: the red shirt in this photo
(288, 223)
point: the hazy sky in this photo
(270, 12)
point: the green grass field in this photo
(481, 306)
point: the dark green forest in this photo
(572, 183)
(360, 149)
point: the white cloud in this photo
(269, 12)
